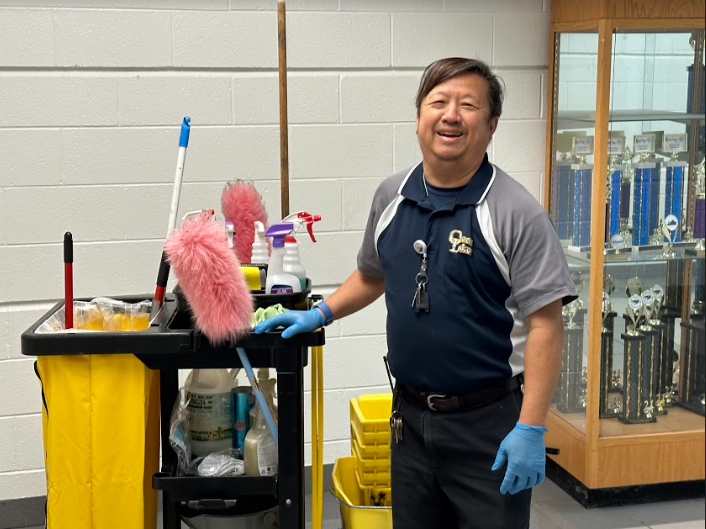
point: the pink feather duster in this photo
(242, 205)
(210, 276)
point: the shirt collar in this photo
(472, 193)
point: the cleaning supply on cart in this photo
(260, 449)
(303, 219)
(291, 263)
(271, 426)
(265, 313)
(255, 275)
(243, 402)
(210, 410)
(260, 248)
(267, 386)
(69, 280)
(163, 273)
(242, 205)
(278, 282)
(209, 276)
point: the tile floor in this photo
(552, 508)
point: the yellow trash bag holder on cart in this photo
(101, 441)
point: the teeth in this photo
(450, 134)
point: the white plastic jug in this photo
(210, 409)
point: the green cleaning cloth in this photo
(266, 313)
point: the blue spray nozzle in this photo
(185, 129)
(278, 232)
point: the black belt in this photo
(442, 403)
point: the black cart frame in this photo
(171, 344)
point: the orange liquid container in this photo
(138, 321)
(88, 318)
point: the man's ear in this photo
(494, 125)
(416, 128)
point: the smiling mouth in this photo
(449, 134)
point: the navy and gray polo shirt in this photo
(493, 258)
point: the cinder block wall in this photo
(91, 96)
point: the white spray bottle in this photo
(260, 248)
(292, 261)
(292, 265)
(279, 282)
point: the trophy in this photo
(646, 190)
(635, 388)
(654, 330)
(670, 231)
(607, 386)
(617, 193)
(674, 182)
(661, 359)
(569, 387)
(699, 229)
(581, 175)
(563, 211)
(652, 345)
(693, 377)
(616, 404)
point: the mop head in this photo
(210, 276)
(242, 205)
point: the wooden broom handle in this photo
(283, 125)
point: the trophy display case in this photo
(624, 186)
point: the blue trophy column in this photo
(645, 202)
(674, 193)
(581, 176)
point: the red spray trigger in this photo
(309, 220)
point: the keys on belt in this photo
(396, 426)
(396, 417)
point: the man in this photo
(474, 279)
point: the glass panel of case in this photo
(652, 335)
(575, 66)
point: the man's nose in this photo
(451, 114)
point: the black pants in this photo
(441, 477)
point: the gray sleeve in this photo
(537, 267)
(539, 273)
(369, 262)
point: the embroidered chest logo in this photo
(460, 243)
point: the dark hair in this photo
(444, 69)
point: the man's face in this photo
(453, 122)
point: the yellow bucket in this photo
(370, 417)
(373, 471)
(346, 489)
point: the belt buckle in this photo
(430, 404)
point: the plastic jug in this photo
(211, 409)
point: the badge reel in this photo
(420, 301)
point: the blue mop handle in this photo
(258, 394)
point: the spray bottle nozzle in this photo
(278, 232)
(303, 218)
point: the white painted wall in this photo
(91, 96)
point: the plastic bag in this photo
(100, 314)
(226, 462)
(179, 436)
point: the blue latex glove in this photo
(523, 451)
(294, 321)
